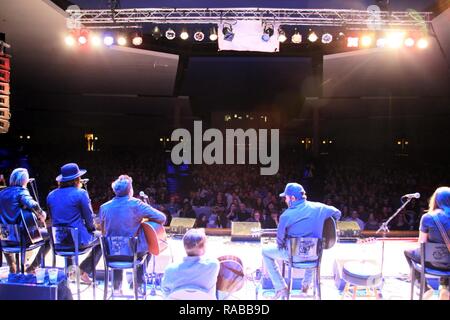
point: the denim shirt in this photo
(71, 207)
(122, 216)
(304, 219)
(12, 199)
(193, 272)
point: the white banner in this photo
(248, 37)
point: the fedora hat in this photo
(70, 171)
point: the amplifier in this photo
(181, 225)
(348, 230)
(245, 231)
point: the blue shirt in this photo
(71, 207)
(193, 272)
(427, 225)
(122, 216)
(304, 219)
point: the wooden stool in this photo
(361, 276)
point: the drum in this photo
(231, 274)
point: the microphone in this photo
(84, 181)
(412, 195)
(143, 195)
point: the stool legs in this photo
(105, 291)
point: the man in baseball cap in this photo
(302, 218)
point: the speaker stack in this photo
(5, 69)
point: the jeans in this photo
(270, 254)
(414, 255)
(118, 273)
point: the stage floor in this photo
(395, 270)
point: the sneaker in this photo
(281, 294)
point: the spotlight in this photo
(199, 36)
(227, 31)
(312, 37)
(381, 43)
(137, 40)
(422, 43)
(281, 35)
(121, 41)
(267, 33)
(409, 42)
(395, 39)
(213, 35)
(366, 41)
(82, 39)
(296, 37)
(352, 42)
(327, 38)
(184, 35)
(108, 40)
(170, 34)
(156, 33)
(95, 41)
(69, 40)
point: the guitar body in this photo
(329, 233)
(156, 237)
(31, 226)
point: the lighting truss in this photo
(352, 19)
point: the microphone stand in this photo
(384, 229)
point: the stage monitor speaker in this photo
(245, 231)
(181, 225)
(348, 231)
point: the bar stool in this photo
(361, 275)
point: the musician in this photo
(302, 218)
(196, 270)
(122, 216)
(12, 200)
(70, 206)
(439, 207)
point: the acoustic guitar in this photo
(156, 237)
(31, 225)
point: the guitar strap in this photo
(442, 231)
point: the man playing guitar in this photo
(13, 201)
(122, 216)
(302, 218)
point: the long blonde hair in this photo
(440, 200)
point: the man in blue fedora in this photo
(302, 218)
(70, 206)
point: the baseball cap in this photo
(293, 189)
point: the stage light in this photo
(137, 40)
(409, 42)
(95, 41)
(327, 38)
(395, 39)
(156, 33)
(199, 36)
(108, 40)
(170, 34)
(267, 33)
(227, 31)
(312, 37)
(352, 42)
(184, 35)
(422, 43)
(121, 41)
(381, 43)
(296, 37)
(213, 35)
(82, 39)
(366, 41)
(69, 40)
(281, 35)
